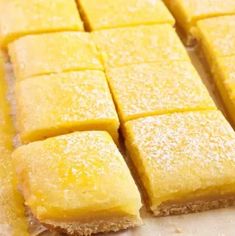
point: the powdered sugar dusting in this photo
(184, 152)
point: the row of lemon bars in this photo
(131, 66)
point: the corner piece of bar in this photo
(185, 161)
(19, 18)
(188, 12)
(78, 183)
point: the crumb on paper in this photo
(178, 230)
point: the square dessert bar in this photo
(12, 219)
(20, 18)
(54, 52)
(188, 12)
(185, 161)
(104, 14)
(142, 44)
(60, 103)
(157, 88)
(224, 74)
(217, 37)
(78, 183)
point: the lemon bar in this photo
(185, 161)
(157, 88)
(189, 12)
(20, 18)
(105, 14)
(224, 75)
(54, 52)
(142, 44)
(12, 219)
(78, 183)
(60, 103)
(217, 37)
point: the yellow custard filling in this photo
(76, 177)
(65, 102)
(157, 88)
(183, 154)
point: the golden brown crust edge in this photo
(167, 209)
(93, 227)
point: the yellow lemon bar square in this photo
(188, 12)
(54, 52)
(142, 44)
(65, 102)
(157, 88)
(224, 74)
(186, 161)
(217, 37)
(105, 14)
(12, 219)
(3, 95)
(78, 183)
(20, 18)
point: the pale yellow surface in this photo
(104, 14)
(12, 219)
(20, 18)
(53, 52)
(224, 74)
(157, 88)
(188, 12)
(77, 176)
(183, 155)
(142, 44)
(65, 102)
(217, 37)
